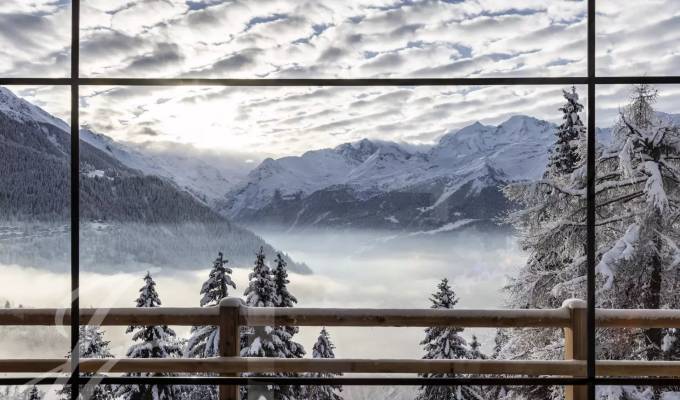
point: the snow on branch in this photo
(622, 250)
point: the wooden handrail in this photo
(221, 365)
(249, 316)
(231, 314)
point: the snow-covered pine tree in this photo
(445, 342)
(204, 340)
(551, 227)
(264, 341)
(499, 392)
(323, 348)
(92, 345)
(638, 194)
(283, 298)
(35, 394)
(476, 350)
(567, 153)
(157, 341)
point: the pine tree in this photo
(283, 298)
(499, 392)
(638, 232)
(204, 340)
(638, 204)
(476, 350)
(445, 342)
(264, 341)
(567, 153)
(35, 394)
(551, 227)
(153, 342)
(323, 348)
(92, 345)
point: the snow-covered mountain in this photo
(130, 218)
(205, 175)
(375, 184)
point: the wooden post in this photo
(230, 341)
(576, 343)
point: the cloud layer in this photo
(327, 38)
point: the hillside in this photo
(129, 219)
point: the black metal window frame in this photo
(591, 80)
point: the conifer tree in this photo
(567, 153)
(264, 341)
(157, 341)
(204, 339)
(323, 348)
(92, 345)
(283, 298)
(638, 237)
(476, 350)
(445, 342)
(638, 232)
(35, 394)
(550, 223)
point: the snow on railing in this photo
(232, 314)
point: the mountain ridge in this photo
(128, 218)
(382, 184)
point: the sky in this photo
(328, 39)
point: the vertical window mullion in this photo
(75, 200)
(590, 207)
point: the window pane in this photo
(34, 215)
(638, 38)
(35, 38)
(372, 195)
(637, 231)
(330, 39)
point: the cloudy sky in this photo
(328, 38)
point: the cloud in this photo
(363, 38)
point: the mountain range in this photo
(384, 185)
(130, 217)
(369, 184)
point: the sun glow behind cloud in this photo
(329, 39)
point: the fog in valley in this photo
(351, 268)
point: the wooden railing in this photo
(231, 314)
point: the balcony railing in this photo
(232, 314)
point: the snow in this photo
(623, 249)
(516, 149)
(97, 173)
(206, 177)
(23, 111)
(451, 226)
(392, 219)
(654, 187)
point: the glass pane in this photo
(34, 214)
(35, 38)
(37, 391)
(372, 195)
(638, 38)
(637, 231)
(330, 39)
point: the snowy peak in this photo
(369, 178)
(478, 138)
(362, 150)
(25, 112)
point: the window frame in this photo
(591, 80)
